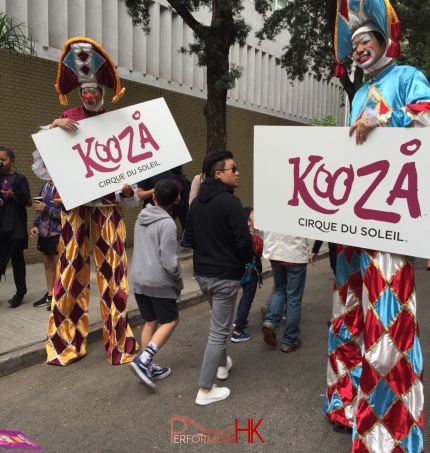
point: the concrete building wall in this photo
(154, 59)
(29, 101)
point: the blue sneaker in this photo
(143, 372)
(159, 372)
(237, 337)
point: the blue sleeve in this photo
(52, 208)
(414, 89)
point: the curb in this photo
(35, 354)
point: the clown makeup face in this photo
(92, 98)
(366, 50)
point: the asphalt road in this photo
(92, 406)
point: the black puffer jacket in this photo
(218, 232)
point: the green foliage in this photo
(211, 43)
(228, 80)
(311, 26)
(415, 17)
(13, 36)
(328, 120)
(139, 13)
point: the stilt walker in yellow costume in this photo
(86, 66)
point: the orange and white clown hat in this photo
(83, 61)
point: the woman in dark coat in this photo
(14, 198)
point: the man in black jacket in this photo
(217, 230)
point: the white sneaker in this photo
(222, 372)
(215, 394)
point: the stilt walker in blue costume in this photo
(375, 367)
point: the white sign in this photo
(315, 182)
(127, 145)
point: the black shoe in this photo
(15, 301)
(341, 428)
(41, 302)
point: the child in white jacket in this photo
(289, 258)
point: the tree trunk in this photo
(223, 31)
(216, 108)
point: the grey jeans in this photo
(221, 295)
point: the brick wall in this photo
(28, 100)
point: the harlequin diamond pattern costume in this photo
(345, 338)
(85, 64)
(375, 363)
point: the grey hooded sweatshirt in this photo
(155, 269)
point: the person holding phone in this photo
(15, 197)
(47, 229)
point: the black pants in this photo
(14, 251)
(181, 213)
(332, 255)
(19, 271)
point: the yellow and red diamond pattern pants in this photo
(68, 324)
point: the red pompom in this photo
(340, 70)
(396, 31)
(394, 49)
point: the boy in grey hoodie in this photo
(156, 278)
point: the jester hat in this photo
(84, 61)
(353, 14)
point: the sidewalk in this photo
(23, 329)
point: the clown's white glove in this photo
(371, 117)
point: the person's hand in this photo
(8, 194)
(126, 189)
(67, 124)
(39, 205)
(34, 232)
(361, 127)
(314, 258)
(144, 194)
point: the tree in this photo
(211, 46)
(415, 17)
(13, 35)
(327, 120)
(311, 25)
(310, 49)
